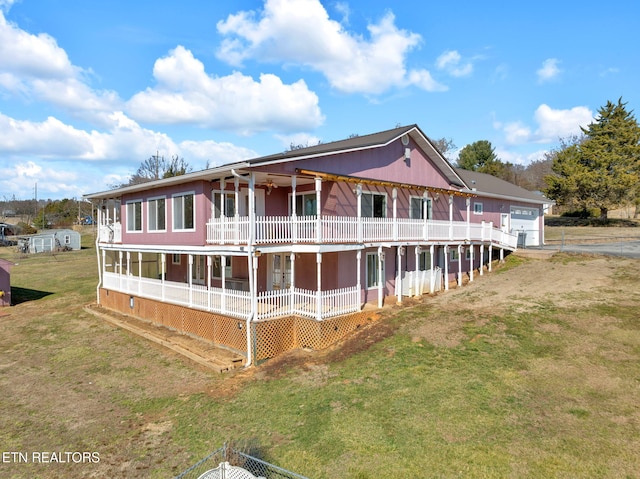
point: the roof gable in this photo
(490, 185)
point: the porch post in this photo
(394, 196)
(490, 244)
(292, 287)
(318, 210)
(190, 273)
(209, 283)
(481, 259)
(451, 217)
(471, 265)
(432, 286)
(399, 269)
(252, 210)
(359, 274)
(502, 255)
(139, 271)
(359, 212)
(163, 272)
(294, 212)
(468, 204)
(446, 267)
(254, 294)
(417, 279)
(319, 291)
(236, 186)
(223, 269)
(460, 265)
(223, 213)
(120, 270)
(425, 215)
(381, 278)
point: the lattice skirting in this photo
(268, 338)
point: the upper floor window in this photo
(418, 204)
(477, 208)
(183, 211)
(134, 215)
(229, 204)
(374, 205)
(157, 214)
(306, 204)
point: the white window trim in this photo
(176, 258)
(149, 201)
(429, 201)
(131, 202)
(453, 255)
(475, 208)
(300, 193)
(182, 194)
(386, 202)
(380, 273)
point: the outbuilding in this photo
(50, 241)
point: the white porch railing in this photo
(344, 229)
(111, 233)
(270, 304)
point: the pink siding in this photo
(197, 237)
(5, 282)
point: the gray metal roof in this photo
(491, 186)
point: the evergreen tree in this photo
(602, 169)
(480, 156)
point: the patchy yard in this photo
(530, 371)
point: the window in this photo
(229, 204)
(67, 239)
(306, 204)
(134, 215)
(467, 252)
(199, 269)
(374, 275)
(216, 267)
(374, 205)
(424, 261)
(175, 258)
(477, 208)
(453, 254)
(157, 214)
(183, 211)
(417, 208)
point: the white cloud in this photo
(555, 124)
(451, 61)
(552, 125)
(187, 94)
(35, 66)
(349, 61)
(214, 153)
(549, 70)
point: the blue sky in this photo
(91, 89)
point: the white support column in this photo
(394, 196)
(236, 194)
(254, 276)
(471, 261)
(482, 259)
(223, 269)
(432, 286)
(209, 284)
(400, 250)
(468, 204)
(252, 209)
(359, 211)
(190, 274)
(416, 275)
(451, 217)
(460, 251)
(359, 274)
(502, 255)
(319, 291)
(446, 267)
(294, 212)
(318, 210)
(163, 272)
(425, 215)
(292, 288)
(381, 277)
(139, 272)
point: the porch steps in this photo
(197, 350)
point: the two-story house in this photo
(284, 251)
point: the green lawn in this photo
(549, 390)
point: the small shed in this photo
(50, 241)
(5, 282)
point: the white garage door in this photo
(525, 221)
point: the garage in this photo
(525, 222)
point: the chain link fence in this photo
(232, 463)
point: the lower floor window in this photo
(374, 273)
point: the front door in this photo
(280, 274)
